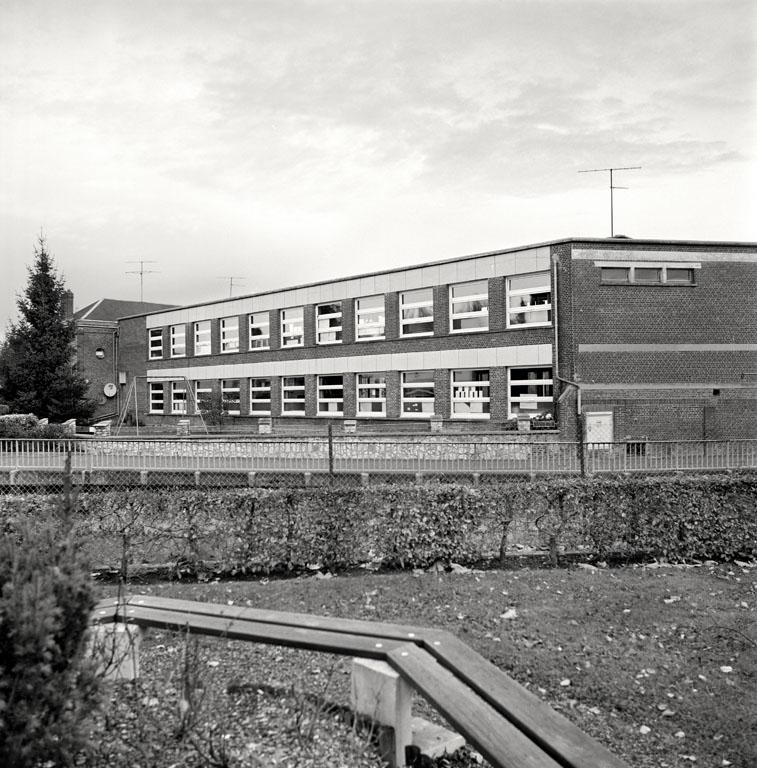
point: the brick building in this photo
(647, 339)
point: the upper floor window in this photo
(531, 392)
(178, 340)
(653, 274)
(292, 327)
(417, 313)
(328, 323)
(260, 330)
(202, 337)
(418, 393)
(369, 318)
(156, 343)
(529, 300)
(330, 396)
(260, 397)
(470, 394)
(371, 394)
(230, 334)
(469, 306)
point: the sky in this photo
(290, 141)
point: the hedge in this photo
(259, 530)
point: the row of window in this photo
(657, 275)
(529, 303)
(529, 392)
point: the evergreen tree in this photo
(37, 370)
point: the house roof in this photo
(112, 309)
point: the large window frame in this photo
(155, 344)
(470, 393)
(370, 318)
(259, 331)
(469, 307)
(202, 387)
(231, 392)
(179, 398)
(157, 398)
(330, 395)
(229, 327)
(370, 389)
(328, 323)
(529, 300)
(292, 327)
(414, 397)
(648, 274)
(202, 338)
(292, 394)
(260, 397)
(178, 336)
(538, 401)
(417, 312)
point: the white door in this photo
(599, 429)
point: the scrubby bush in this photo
(26, 426)
(47, 684)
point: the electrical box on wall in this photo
(122, 377)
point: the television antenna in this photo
(142, 272)
(613, 187)
(231, 279)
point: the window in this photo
(531, 392)
(371, 394)
(260, 330)
(203, 394)
(470, 394)
(178, 340)
(293, 395)
(202, 337)
(260, 397)
(291, 327)
(417, 313)
(330, 396)
(99, 353)
(652, 274)
(156, 397)
(178, 397)
(328, 323)
(230, 397)
(529, 300)
(369, 318)
(469, 307)
(156, 343)
(229, 334)
(418, 393)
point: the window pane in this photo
(648, 275)
(616, 274)
(527, 282)
(679, 275)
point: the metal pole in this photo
(612, 225)
(331, 450)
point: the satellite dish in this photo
(110, 389)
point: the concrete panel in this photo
(466, 270)
(447, 273)
(367, 286)
(525, 261)
(485, 267)
(430, 276)
(413, 279)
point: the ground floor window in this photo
(230, 395)
(203, 393)
(470, 394)
(293, 395)
(178, 397)
(418, 393)
(330, 395)
(157, 402)
(371, 394)
(260, 397)
(530, 391)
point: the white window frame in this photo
(155, 343)
(468, 297)
(364, 312)
(178, 335)
(405, 400)
(202, 337)
(321, 400)
(292, 327)
(328, 316)
(519, 295)
(227, 388)
(410, 305)
(157, 396)
(367, 387)
(536, 399)
(200, 392)
(260, 340)
(470, 392)
(256, 385)
(285, 389)
(229, 327)
(178, 397)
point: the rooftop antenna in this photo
(612, 187)
(231, 279)
(142, 272)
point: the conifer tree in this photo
(37, 361)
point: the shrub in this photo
(47, 686)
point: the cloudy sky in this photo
(288, 141)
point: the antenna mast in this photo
(231, 279)
(142, 272)
(612, 187)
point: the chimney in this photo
(68, 304)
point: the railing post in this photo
(331, 451)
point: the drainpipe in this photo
(580, 439)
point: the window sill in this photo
(258, 349)
(528, 325)
(469, 330)
(416, 335)
(327, 343)
(372, 338)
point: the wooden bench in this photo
(506, 723)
